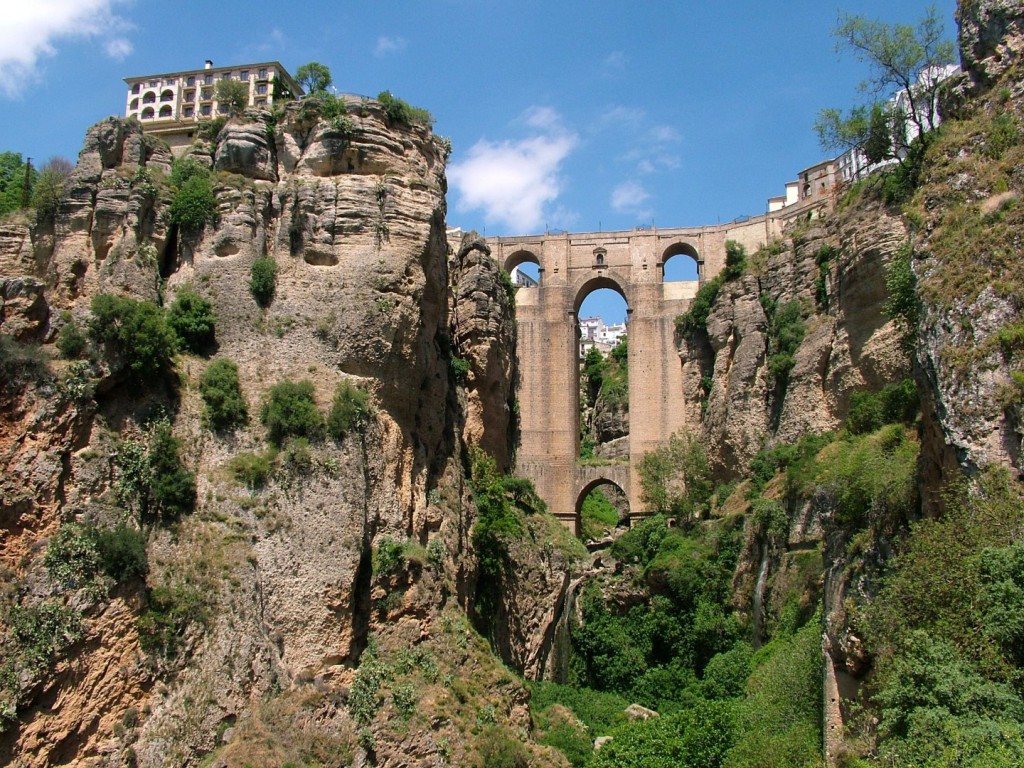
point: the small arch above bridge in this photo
(681, 252)
(513, 260)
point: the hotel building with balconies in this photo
(173, 105)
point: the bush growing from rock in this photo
(290, 411)
(252, 469)
(222, 395)
(192, 319)
(349, 409)
(70, 341)
(194, 204)
(173, 488)
(137, 332)
(263, 280)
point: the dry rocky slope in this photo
(368, 290)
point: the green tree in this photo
(676, 479)
(12, 182)
(222, 395)
(290, 411)
(194, 203)
(263, 280)
(192, 319)
(314, 77)
(50, 187)
(233, 94)
(173, 487)
(899, 57)
(135, 332)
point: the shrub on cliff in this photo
(71, 342)
(289, 410)
(136, 332)
(349, 410)
(194, 204)
(401, 112)
(263, 280)
(222, 395)
(173, 487)
(192, 319)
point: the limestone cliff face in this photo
(967, 256)
(848, 343)
(352, 213)
(484, 336)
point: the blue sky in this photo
(562, 115)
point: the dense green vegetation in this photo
(350, 408)
(225, 405)
(597, 515)
(289, 410)
(604, 386)
(13, 192)
(400, 112)
(263, 280)
(676, 479)
(136, 333)
(192, 319)
(151, 481)
(194, 204)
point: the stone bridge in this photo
(571, 266)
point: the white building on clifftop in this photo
(172, 105)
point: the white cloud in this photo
(30, 31)
(615, 61)
(630, 197)
(119, 48)
(514, 181)
(386, 45)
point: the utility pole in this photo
(26, 190)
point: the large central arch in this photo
(570, 267)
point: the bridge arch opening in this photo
(525, 269)
(602, 374)
(680, 263)
(601, 507)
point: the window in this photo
(222, 108)
(170, 81)
(165, 110)
(153, 83)
(205, 110)
(245, 74)
(261, 88)
(208, 79)
(136, 87)
(147, 113)
(134, 105)
(263, 74)
(167, 95)
(191, 80)
(207, 94)
(190, 111)
(261, 102)
(189, 96)
(149, 98)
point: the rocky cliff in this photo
(286, 597)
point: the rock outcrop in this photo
(352, 214)
(484, 336)
(848, 343)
